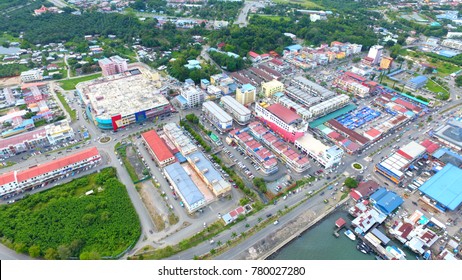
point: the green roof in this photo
(333, 115)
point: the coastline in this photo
(299, 232)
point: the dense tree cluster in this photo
(227, 62)
(255, 37)
(63, 222)
(14, 69)
(260, 184)
(350, 182)
(50, 27)
(218, 10)
(6, 5)
(177, 69)
(265, 34)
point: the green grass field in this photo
(71, 112)
(434, 87)
(272, 17)
(445, 68)
(71, 83)
(305, 3)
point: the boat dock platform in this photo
(378, 250)
(340, 223)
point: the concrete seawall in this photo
(298, 231)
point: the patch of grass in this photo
(158, 221)
(7, 164)
(305, 3)
(173, 219)
(71, 112)
(273, 17)
(434, 87)
(206, 234)
(130, 169)
(357, 166)
(71, 83)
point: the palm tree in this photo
(234, 234)
(260, 219)
(228, 242)
(219, 243)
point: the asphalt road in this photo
(242, 17)
(314, 204)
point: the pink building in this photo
(113, 65)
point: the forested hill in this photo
(57, 27)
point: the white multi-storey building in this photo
(18, 181)
(31, 76)
(51, 134)
(217, 116)
(239, 112)
(285, 122)
(246, 94)
(375, 52)
(327, 156)
(193, 96)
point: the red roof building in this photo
(340, 223)
(364, 190)
(254, 56)
(276, 62)
(7, 178)
(372, 133)
(40, 11)
(18, 181)
(355, 76)
(56, 164)
(430, 146)
(221, 45)
(157, 148)
(286, 115)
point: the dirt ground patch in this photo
(158, 220)
(136, 162)
(10, 81)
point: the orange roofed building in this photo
(15, 182)
(157, 148)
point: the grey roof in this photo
(185, 185)
(207, 169)
(236, 106)
(219, 113)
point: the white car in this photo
(276, 222)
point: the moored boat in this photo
(350, 234)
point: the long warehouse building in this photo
(184, 186)
(15, 182)
(157, 148)
(217, 116)
(239, 112)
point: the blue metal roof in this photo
(418, 79)
(185, 185)
(247, 87)
(447, 53)
(389, 202)
(379, 193)
(181, 99)
(180, 157)
(202, 164)
(294, 47)
(444, 187)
